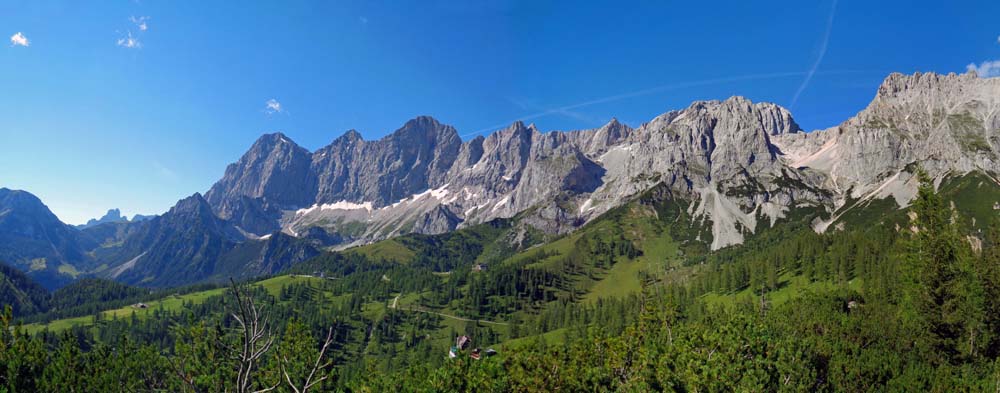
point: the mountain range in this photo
(735, 166)
(113, 215)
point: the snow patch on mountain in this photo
(340, 205)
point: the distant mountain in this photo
(33, 240)
(190, 243)
(113, 216)
(140, 217)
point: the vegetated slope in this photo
(20, 292)
(790, 306)
(92, 291)
(152, 305)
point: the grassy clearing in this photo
(68, 270)
(557, 336)
(790, 287)
(390, 250)
(622, 280)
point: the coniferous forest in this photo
(905, 302)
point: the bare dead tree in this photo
(318, 365)
(255, 338)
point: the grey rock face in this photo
(411, 159)
(275, 171)
(740, 164)
(948, 124)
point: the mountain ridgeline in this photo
(734, 167)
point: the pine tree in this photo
(944, 296)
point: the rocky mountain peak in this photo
(273, 140)
(11, 199)
(113, 215)
(425, 128)
(194, 204)
(16, 205)
(897, 83)
(923, 98)
(275, 170)
(350, 137)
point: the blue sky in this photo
(136, 104)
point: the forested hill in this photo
(20, 292)
(898, 299)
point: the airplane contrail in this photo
(672, 86)
(819, 59)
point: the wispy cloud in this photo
(986, 69)
(18, 39)
(819, 58)
(363, 20)
(272, 106)
(140, 22)
(164, 172)
(130, 42)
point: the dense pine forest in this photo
(905, 300)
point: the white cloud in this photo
(18, 39)
(998, 39)
(986, 69)
(129, 42)
(140, 22)
(272, 106)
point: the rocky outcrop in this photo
(113, 215)
(947, 124)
